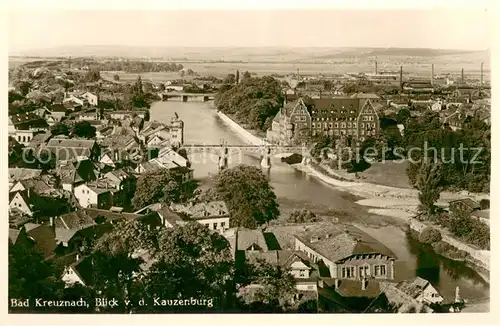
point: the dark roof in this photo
(245, 238)
(58, 108)
(337, 243)
(45, 239)
(109, 215)
(22, 118)
(467, 201)
(13, 235)
(353, 288)
(336, 107)
(413, 287)
(17, 174)
(84, 269)
(74, 220)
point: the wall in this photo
(218, 220)
(244, 134)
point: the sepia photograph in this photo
(333, 161)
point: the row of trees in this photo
(254, 101)
(134, 66)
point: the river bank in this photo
(400, 203)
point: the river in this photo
(296, 189)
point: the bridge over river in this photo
(186, 97)
(265, 150)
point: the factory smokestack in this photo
(432, 75)
(401, 77)
(463, 80)
(482, 63)
(376, 70)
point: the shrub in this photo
(484, 203)
(446, 250)
(429, 236)
(302, 216)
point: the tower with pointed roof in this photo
(176, 130)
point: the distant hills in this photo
(248, 54)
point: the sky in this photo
(467, 29)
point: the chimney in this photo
(337, 283)
(77, 257)
(298, 75)
(51, 221)
(432, 75)
(401, 77)
(28, 191)
(376, 70)
(463, 80)
(482, 63)
(363, 284)
(314, 239)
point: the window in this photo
(302, 273)
(354, 124)
(330, 125)
(336, 124)
(325, 125)
(362, 125)
(349, 125)
(207, 225)
(377, 270)
(215, 226)
(380, 270)
(313, 125)
(373, 125)
(364, 271)
(222, 224)
(348, 272)
(343, 124)
(336, 132)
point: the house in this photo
(40, 236)
(183, 174)
(79, 272)
(173, 132)
(344, 117)
(72, 149)
(67, 225)
(75, 99)
(92, 99)
(374, 98)
(347, 253)
(25, 200)
(293, 121)
(74, 173)
(214, 215)
(168, 218)
(482, 215)
(23, 127)
(19, 174)
(402, 301)
(421, 290)
(467, 204)
(169, 155)
(58, 112)
(128, 115)
(88, 116)
(91, 195)
(456, 120)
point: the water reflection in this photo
(296, 189)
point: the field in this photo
(389, 173)
(154, 77)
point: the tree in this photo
(277, 286)
(428, 179)
(429, 236)
(192, 262)
(161, 185)
(248, 195)
(84, 129)
(302, 216)
(161, 87)
(230, 79)
(23, 86)
(59, 129)
(403, 115)
(116, 77)
(92, 75)
(31, 277)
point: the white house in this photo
(168, 154)
(91, 98)
(214, 215)
(92, 196)
(20, 200)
